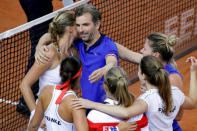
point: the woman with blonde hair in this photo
(63, 32)
(116, 88)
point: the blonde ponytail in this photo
(117, 84)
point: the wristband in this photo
(32, 114)
(33, 111)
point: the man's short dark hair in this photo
(87, 8)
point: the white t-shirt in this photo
(53, 121)
(157, 119)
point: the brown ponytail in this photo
(157, 76)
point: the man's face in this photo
(146, 50)
(86, 27)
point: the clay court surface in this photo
(12, 15)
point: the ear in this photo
(98, 24)
(105, 88)
(143, 76)
(69, 29)
(156, 54)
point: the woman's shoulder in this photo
(67, 101)
(69, 96)
(47, 91)
(176, 80)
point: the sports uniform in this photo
(171, 70)
(99, 121)
(93, 59)
(53, 121)
(157, 119)
(50, 77)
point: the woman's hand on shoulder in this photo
(42, 48)
(46, 57)
(79, 103)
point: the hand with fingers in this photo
(41, 48)
(43, 125)
(80, 103)
(193, 61)
(97, 75)
(40, 56)
(127, 126)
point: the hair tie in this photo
(65, 86)
(78, 73)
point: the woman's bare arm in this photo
(80, 120)
(191, 100)
(128, 55)
(30, 78)
(38, 116)
(111, 61)
(138, 107)
(44, 99)
(79, 116)
(176, 80)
